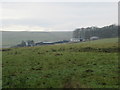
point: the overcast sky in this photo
(56, 16)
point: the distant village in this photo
(31, 43)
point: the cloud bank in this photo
(56, 16)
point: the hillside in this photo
(91, 64)
(14, 38)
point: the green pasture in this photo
(92, 64)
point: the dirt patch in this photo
(89, 70)
(58, 54)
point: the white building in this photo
(94, 38)
(77, 39)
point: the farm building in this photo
(44, 43)
(48, 43)
(77, 39)
(26, 44)
(38, 43)
(94, 38)
(63, 41)
(30, 43)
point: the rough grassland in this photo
(0, 70)
(91, 64)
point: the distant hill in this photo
(12, 38)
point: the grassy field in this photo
(92, 64)
(0, 70)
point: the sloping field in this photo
(91, 64)
(13, 38)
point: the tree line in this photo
(104, 32)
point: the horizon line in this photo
(55, 30)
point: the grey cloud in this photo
(60, 15)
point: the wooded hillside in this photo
(104, 32)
